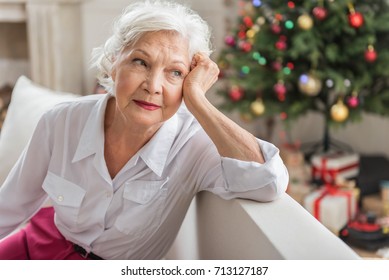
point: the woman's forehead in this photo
(172, 43)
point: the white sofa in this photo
(213, 228)
(241, 229)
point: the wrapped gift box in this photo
(332, 206)
(330, 167)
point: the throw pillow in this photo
(28, 103)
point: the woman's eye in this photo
(177, 73)
(139, 61)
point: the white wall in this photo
(369, 136)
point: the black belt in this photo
(85, 254)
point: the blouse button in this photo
(60, 198)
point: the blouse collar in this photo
(155, 153)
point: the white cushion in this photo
(28, 103)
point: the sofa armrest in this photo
(243, 229)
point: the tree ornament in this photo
(248, 21)
(309, 84)
(230, 41)
(242, 34)
(251, 33)
(257, 3)
(245, 46)
(276, 65)
(355, 19)
(283, 116)
(257, 107)
(353, 101)
(261, 21)
(236, 93)
(339, 111)
(320, 13)
(329, 83)
(276, 28)
(280, 90)
(305, 22)
(281, 45)
(291, 5)
(370, 54)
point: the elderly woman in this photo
(122, 168)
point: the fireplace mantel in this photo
(54, 40)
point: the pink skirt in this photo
(39, 240)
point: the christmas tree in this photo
(286, 58)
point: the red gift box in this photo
(331, 167)
(333, 206)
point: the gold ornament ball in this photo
(339, 111)
(309, 84)
(261, 20)
(257, 107)
(305, 22)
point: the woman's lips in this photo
(146, 105)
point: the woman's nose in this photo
(154, 82)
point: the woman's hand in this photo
(229, 138)
(203, 74)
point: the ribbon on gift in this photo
(329, 175)
(332, 190)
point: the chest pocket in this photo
(66, 198)
(143, 203)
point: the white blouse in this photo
(137, 214)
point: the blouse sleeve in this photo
(21, 194)
(231, 178)
(263, 182)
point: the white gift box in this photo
(331, 167)
(332, 206)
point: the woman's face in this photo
(149, 77)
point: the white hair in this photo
(150, 16)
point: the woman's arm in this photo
(21, 194)
(230, 139)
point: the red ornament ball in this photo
(353, 101)
(370, 55)
(290, 65)
(275, 28)
(283, 116)
(281, 45)
(280, 90)
(248, 21)
(320, 13)
(235, 93)
(245, 46)
(276, 65)
(242, 34)
(229, 40)
(355, 19)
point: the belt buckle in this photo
(84, 254)
(81, 251)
